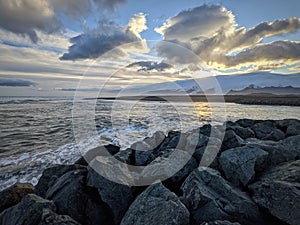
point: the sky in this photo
(47, 47)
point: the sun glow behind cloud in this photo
(39, 44)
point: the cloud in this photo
(109, 4)
(200, 22)
(16, 83)
(149, 66)
(265, 54)
(212, 34)
(26, 16)
(72, 8)
(97, 42)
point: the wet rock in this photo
(149, 143)
(158, 206)
(50, 176)
(239, 164)
(209, 198)
(267, 131)
(73, 198)
(13, 195)
(125, 156)
(278, 190)
(28, 212)
(117, 196)
(105, 150)
(218, 222)
(231, 140)
(170, 142)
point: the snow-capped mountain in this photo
(225, 82)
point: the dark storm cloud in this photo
(16, 83)
(149, 66)
(25, 16)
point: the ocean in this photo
(36, 133)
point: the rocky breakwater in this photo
(254, 179)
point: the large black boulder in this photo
(278, 191)
(114, 193)
(209, 198)
(34, 210)
(50, 176)
(73, 198)
(240, 164)
(156, 206)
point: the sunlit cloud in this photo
(212, 34)
(108, 37)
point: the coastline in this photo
(254, 99)
(251, 181)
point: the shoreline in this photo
(239, 186)
(255, 99)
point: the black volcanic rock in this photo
(73, 198)
(28, 212)
(267, 131)
(50, 176)
(13, 195)
(117, 196)
(105, 150)
(156, 206)
(239, 164)
(231, 140)
(283, 151)
(278, 190)
(209, 197)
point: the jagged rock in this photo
(156, 206)
(73, 198)
(293, 130)
(51, 218)
(105, 150)
(13, 195)
(239, 164)
(28, 212)
(231, 140)
(171, 141)
(205, 130)
(246, 122)
(173, 166)
(283, 151)
(149, 143)
(117, 196)
(125, 156)
(243, 132)
(267, 131)
(278, 190)
(209, 197)
(286, 123)
(50, 176)
(212, 153)
(218, 222)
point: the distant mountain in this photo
(252, 89)
(226, 82)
